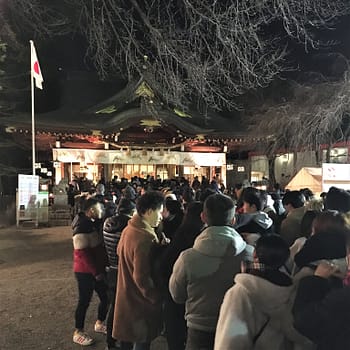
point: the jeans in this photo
(86, 285)
(199, 340)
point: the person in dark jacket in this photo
(172, 217)
(327, 242)
(112, 230)
(338, 199)
(321, 312)
(100, 193)
(90, 261)
(174, 314)
(253, 223)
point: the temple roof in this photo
(135, 115)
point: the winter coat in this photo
(112, 229)
(257, 314)
(89, 255)
(322, 246)
(323, 314)
(290, 226)
(258, 222)
(325, 245)
(171, 224)
(202, 274)
(138, 303)
(183, 240)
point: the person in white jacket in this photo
(202, 274)
(257, 311)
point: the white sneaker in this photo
(81, 338)
(100, 328)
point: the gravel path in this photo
(38, 292)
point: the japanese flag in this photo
(35, 67)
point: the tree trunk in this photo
(272, 176)
(318, 156)
(328, 153)
(295, 159)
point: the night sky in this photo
(61, 57)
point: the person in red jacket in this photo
(90, 260)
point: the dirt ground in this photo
(38, 292)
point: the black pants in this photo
(199, 340)
(175, 324)
(86, 285)
(112, 287)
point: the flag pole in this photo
(33, 119)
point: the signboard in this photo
(334, 174)
(27, 197)
(28, 188)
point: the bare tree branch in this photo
(193, 51)
(200, 50)
(317, 114)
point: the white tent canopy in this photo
(307, 178)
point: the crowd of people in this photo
(213, 270)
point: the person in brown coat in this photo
(294, 203)
(137, 315)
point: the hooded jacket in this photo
(258, 222)
(257, 314)
(202, 274)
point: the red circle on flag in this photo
(36, 68)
